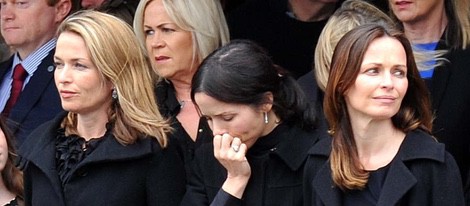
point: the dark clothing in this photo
(371, 193)
(450, 95)
(276, 162)
(39, 101)
(170, 107)
(290, 42)
(113, 174)
(123, 9)
(422, 173)
(309, 86)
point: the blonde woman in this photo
(178, 35)
(111, 146)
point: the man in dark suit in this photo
(29, 28)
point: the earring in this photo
(114, 94)
(266, 118)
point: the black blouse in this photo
(71, 150)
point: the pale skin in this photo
(424, 21)
(27, 25)
(81, 88)
(235, 126)
(374, 99)
(171, 52)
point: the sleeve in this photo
(225, 199)
(307, 182)
(166, 178)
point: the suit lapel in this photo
(35, 88)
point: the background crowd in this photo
(235, 102)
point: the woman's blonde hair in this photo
(351, 14)
(120, 59)
(203, 18)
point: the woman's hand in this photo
(230, 152)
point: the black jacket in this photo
(282, 180)
(422, 173)
(138, 174)
(450, 95)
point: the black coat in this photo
(422, 173)
(138, 174)
(282, 180)
(450, 95)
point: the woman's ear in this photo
(268, 102)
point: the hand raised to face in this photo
(230, 152)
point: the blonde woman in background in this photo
(178, 35)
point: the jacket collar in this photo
(417, 145)
(298, 140)
(40, 149)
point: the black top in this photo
(371, 193)
(276, 162)
(290, 42)
(70, 151)
(170, 107)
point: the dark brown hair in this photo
(414, 111)
(12, 177)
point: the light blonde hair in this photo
(203, 18)
(120, 59)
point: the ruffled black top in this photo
(71, 150)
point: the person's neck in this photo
(377, 142)
(93, 125)
(311, 11)
(427, 30)
(5, 195)
(182, 90)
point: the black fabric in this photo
(169, 107)
(141, 173)
(422, 173)
(290, 42)
(276, 160)
(450, 95)
(371, 193)
(70, 151)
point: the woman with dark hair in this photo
(263, 127)
(381, 151)
(11, 183)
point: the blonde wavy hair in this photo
(120, 59)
